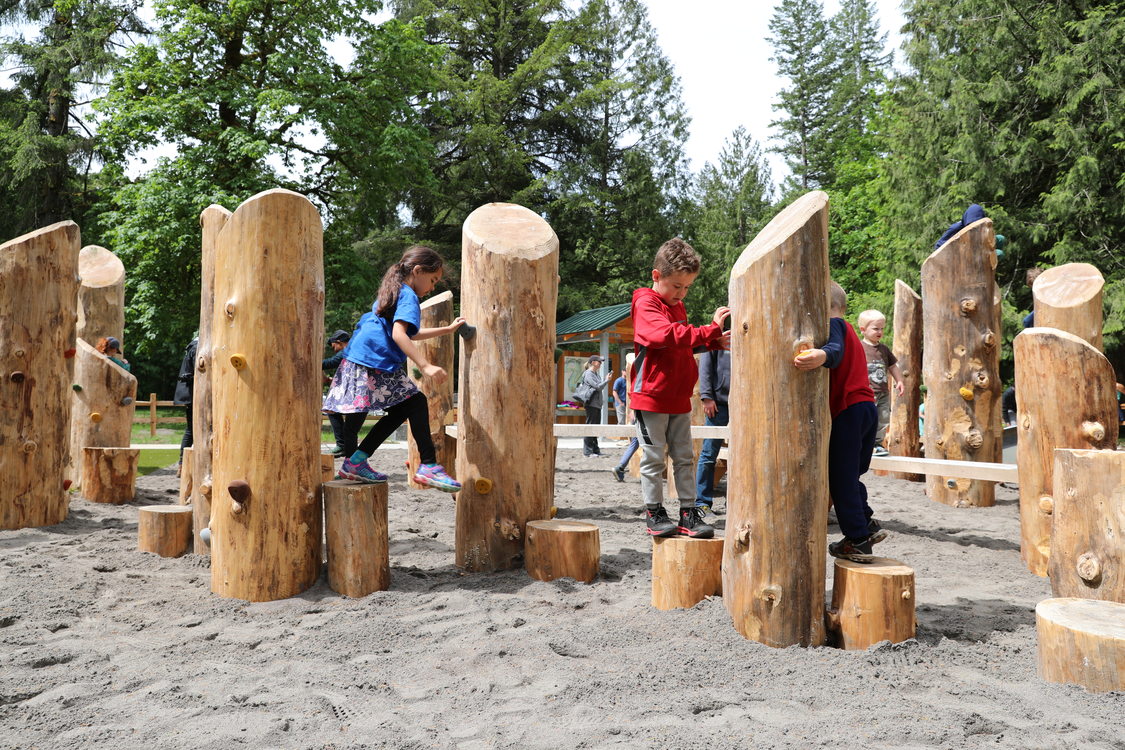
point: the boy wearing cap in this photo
(338, 341)
(664, 376)
(591, 376)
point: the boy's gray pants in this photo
(656, 433)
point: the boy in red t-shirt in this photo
(854, 421)
(664, 375)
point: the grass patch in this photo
(152, 460)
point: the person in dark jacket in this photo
(345, 435)
(185, 385)
(714, 387)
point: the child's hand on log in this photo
(724, 340)
(721, 314)
(457, 323)
(438, 374)
(809, 359)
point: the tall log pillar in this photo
(1087, 555)
(903, 438)
(961, 361)
(505, 414)
(101, 297)
(38, 303)
(1056, 410)
(436, 311)
(211, 221)
(777, 499)
(1069, 298)
(267, 341)
(102, 405)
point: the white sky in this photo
(720, 52)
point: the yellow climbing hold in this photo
(483, 485)
(966, 393)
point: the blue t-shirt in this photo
(619, 389)
(371, 344)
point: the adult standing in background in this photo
(185, 386)
(592, 377)
(714, 388)
(345, 445)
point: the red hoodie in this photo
(664, 372)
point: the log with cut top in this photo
(902, 436)
(1069, 298)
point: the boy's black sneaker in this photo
(618, 473)
(856, 550)
(658, 522)
(693, 525)
(875, 532)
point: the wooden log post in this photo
(1082, 642)
(211, 222)
(355, 524)
(436, 311)
(1056, 410)
(102, 405)
(109, 475)
(903, 438)
(562, 549)
(871, 602)
(101, 295)
(1069, 298)
(38, 303)
(961, 361)
(505, 455)
(164, 529)
(265, 377)
(1087, 557)
(777, 500)
(685, 571)
(187, 482)
(327, 467)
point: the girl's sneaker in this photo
(360, 472)
(433, 475)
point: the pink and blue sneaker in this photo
(433, 475)
(360, 472)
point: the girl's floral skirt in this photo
(356, 388)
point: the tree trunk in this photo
(1082, 642)
(267, 341)
(1069, 298)
(101, 295)
(961, 361)
(685, 571)
(211, 221)
(109, 475)
(509, 290)
(871, 602)
(1087, 556)
(102, 405)
(187, 482)
(355, 524)
(904, 439)
(562, 549)
(38, 303)
(164, 529)
(436, 311)
(327, 467)
(777, 500)
(1056, 410)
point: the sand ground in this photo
(105, 646)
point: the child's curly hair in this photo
(676, 256)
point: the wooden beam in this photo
(980, 470)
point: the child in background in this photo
(372, 373)
(880, 363)
(111, 347)
(854, 421)
(664, 375)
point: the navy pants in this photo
(849, 456)
(705, 469)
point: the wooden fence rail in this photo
(152, 419)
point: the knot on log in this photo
(229, 310)
(742, 536)
(1026, 422)
(980, 379)
(772, 595)
(906, 594)
(205, 490)
(95, 416)
(238, 361)
(1094, 431)
(18, 353)
(1088, 567)
(508, 529)
(966, 393)
(968, 306)
(17, 377)
(988, 339)
(201, 364)
(30, 446)
(1047, 504)
(974, 439)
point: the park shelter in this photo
(611, 327)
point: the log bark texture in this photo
(164, 529)
(1069, 298)
(327, 467)
(109, 475)
(1082, 642)
(102, 405)
(211, 222)
(355, 523)
(187, 480)
(1056, 410)
(961, 361)
(101, 295)
(903, 436)
(777, 489)
(38, 303)
(267, 341)
(871, 602)
(509, 290)
(562, 549)
(1087, 557)
(685, 571)
(436, 311)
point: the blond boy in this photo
(881, 363)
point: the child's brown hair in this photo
(837, 298)
(675, 256)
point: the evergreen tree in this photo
(858, 51)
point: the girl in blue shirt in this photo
(372, 374)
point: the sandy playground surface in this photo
(105, 646)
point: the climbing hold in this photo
(66, 484)
(17, 377)
(466, 331)
(95, 416)
(1047, 505)
(1093, 431)
(966, 393)
(239, 489)
(1088, 567)
(238, 361)
(205, 535)
(76, 387)
(968, 306)
(127, 400)
(69, 353)
(974, 439)
(554, 511)
(416, 373)
(483, 486)
(951, 483)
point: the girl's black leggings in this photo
(416, 409)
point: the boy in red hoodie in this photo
(854, 422)
(664, 375)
